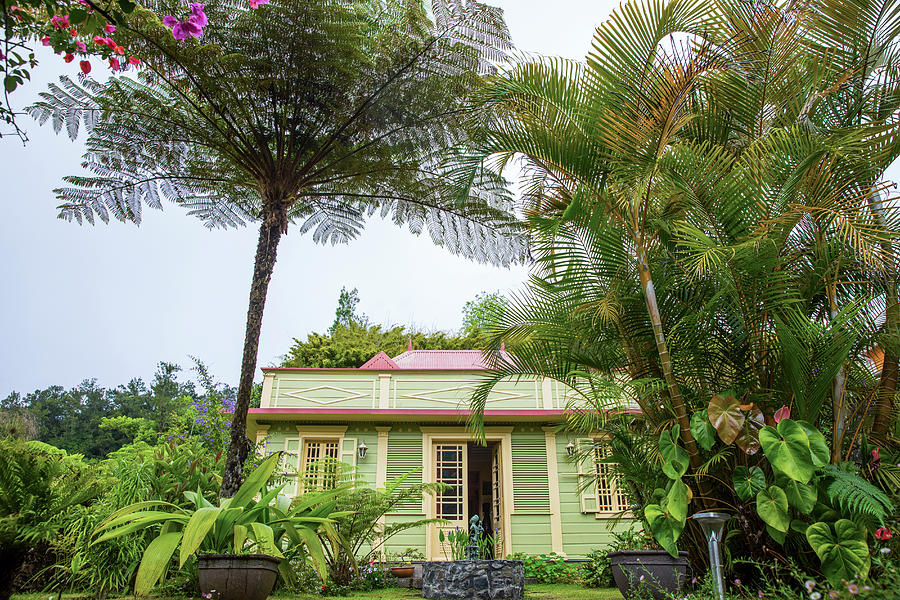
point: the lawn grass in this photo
(544, 591)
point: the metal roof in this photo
(467, 360)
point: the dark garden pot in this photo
(403, 571)
(652, 570)
(237, 576)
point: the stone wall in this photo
(474, 579)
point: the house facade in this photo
(393, 415)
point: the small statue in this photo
(475, 531)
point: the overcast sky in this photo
(110, 301)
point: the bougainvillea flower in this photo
(186, 29)
(197, 15)
(69, 57)
(782, 413)
(60, 22)
(133, 60)
(99, 40)
(883, 533)
(73, 32)
(114, 63)
(82, 47)
(110, 43)
(257, 3)
(110, 28)
(45, 40)
(170, 21)
(85, 66)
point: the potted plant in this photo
(240, 542)
(405, 567)
(637, 561)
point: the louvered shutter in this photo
(531, 486)
(587, 483)
(404, 453)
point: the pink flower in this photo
(82, 47)
(257, 3)
(119, 50)
(170, 21)
(133, 60)
(186, 29)
(85, 66)
(114, 63)
(60, 22)
(45, 40)
(198, 16)
(883, 533)
(782, 413)
(110, 43)
(852, 588)
(99, 40)
(73, 32)
(110, 28)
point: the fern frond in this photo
(853, 494)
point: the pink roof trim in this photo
(468, 360)
(380, 362)
(498, 412)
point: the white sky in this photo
(109, 301)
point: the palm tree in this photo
(316, 114)
(701, 199)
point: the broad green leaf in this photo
(801, 496)
(747, 482)
(677, 500)
(265, 539)
(787, 449)
(842, 550)
(133, 527)
(666, 529)
(818, 447)
(748, 437)
(772, 507)
(317, 553)
(240, 536)
(133, 508)
(799, 526)
(195, 531)
(702, 430)
(154, 562)
(726, 416)
(253, 484)
(778, 536)
(674, 458)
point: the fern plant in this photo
(313, 115)
(854, 495)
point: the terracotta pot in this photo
(237, 576)
(653, 570)
(403, 571)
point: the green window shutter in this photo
(587, 477)
(348, 451)
(531, 485)
(404, 453)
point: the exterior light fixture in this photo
(570, 449)
(712, 523)
(362, 449)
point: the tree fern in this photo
(853, 494)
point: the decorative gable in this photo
(380, 362)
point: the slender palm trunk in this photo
(665, 361)
(887, 386)
(274, 224)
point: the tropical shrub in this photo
(546, 568)
(39, 486)
(237, 525)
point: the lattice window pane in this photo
(320, 464)
(449, 470)
(611, 496)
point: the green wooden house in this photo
(395, 414)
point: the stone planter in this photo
(406, 571)
(474, 579)
(237, 576)
(653, 570)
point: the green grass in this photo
(532, 592)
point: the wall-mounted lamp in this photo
(362, 449)
(570, 449)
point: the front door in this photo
(497, 500)
(450, 468)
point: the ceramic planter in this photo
(406, 571)
(653, 570)
(237, 576)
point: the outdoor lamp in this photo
(570, 449)
(362, 449)
(712, 524)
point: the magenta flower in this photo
(110, 28)
(45, 40)
(60, 22)
(198, 16)
(81, 46)
(257, 3)
(782, 413)
(193, 27)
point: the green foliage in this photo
(674, 457)
(854, 495)
(597, 572)
(345, 313)
(748, 482)
(546, 568)
(453, 543)
(703, 431)
(842, 550)
(726, 416)
(787, 449)
(482, 314)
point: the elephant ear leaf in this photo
(787, 449)
(772, 507)
(674, 457)
(748, 482)
(702, 430)
(843, 551)
(818, 447)
(666, 528)
(801, 496)
(748, 437)
(726, 416)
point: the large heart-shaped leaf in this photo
(842, 550)
(801, 496)
(747, 482)
(702, 430)
(666, 528)
(726, 416)
(772, 507)
(748, 438)
(674, 457)
(677, 500)
(787, 449)
(818, 447)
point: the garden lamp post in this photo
(712, 523)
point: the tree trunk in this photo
(665, 360)
(274, 224)
(887, 387)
